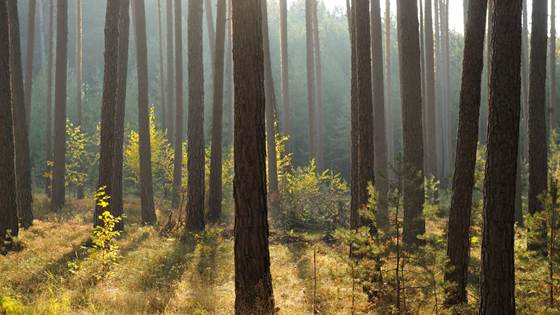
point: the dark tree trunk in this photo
(48, 131)
(538, 147)
(430, 101)
(310, 79)
(552, 75)
(458, 236)
(79, 75)
(409, 61)
(253, 281)
(389, 89)
(163, 109)
(145, 151)
(270, 108)
(285, 86)
(170, 79)
(354, 202)
(229, 73)
(108, 107)
(497, 289)
(195, 132)
(179, 107)
(379, 135)
(58, 189)
(22, 160)
(8, 204)
(29, 61)
(117, 205)
(215, 193)
(319, 112)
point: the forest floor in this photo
(157, 274)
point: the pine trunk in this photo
(29, 61)
(430, 101)
(354, 132)
(310, 79)
(285, 86)
(552, 73)
(79, 75)
(319, 112)
(162, 96)
(179, 106)
(170, 80)
(389, 88)
(48, 130)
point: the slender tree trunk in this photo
(22, 160)
(210, 28)
(438, 76)
(253, 281)
(117, 182)
(285, 86)
(458, 235)
(195, 133)
(389, 88)
(229, 70)
(497, 289)
(270, 107)
(48, 131)
(58, 189)
(29, 61)
(215, 193)
(79, 75)
(413, 181)
(320, 114)
(178, 160)
(552, 73)
(144, 149)
(170, 80)
(354, 201)
(430, 100)
(310, 79)
(162, 95)
(538, 161)
(379, 136)
(8, 203)
(108, 107)
(448, 138)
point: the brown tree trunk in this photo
(253, 281)
(538, 169)
(170, 79)
(210, 28)
(354, 132)
(310, 79)
(320, 132)
(270, 108)
(497, 289)
(430, 101)
(458, 235)
(379, 135)
(145, 151)
(229, 73)
(29, 61)
(79, 75)
(108, 107)
(8, 204)
(117, 205)
(389, 88)
(195, 133)
(163, 110)
(409, 61)
(215, 193)
(22, 160)
(48, 131)
(285, 86)
(58, 189)
(552, 75)
(179, 106)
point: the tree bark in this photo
(413, 181)
(170, 80)
(354, 200)
(79, 74)
(310, 79)
(29, 61)
(253, 281)
(210, 28)
(552, 55)
(58, 189)
(497, 289)
(8, 203)
(179, 106)
(389, 88)
(285, 86)
(144, 149)
(430, 101)
(318, 90)
(162, 96)
(458, 231)
(215, 193)
(48, 131)
(538, 161)
(195, 133)
(22, 159)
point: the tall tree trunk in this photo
(354, 200)
(229, 70)
(48, 131)
(8, 203)
(310, 79)
(144, 149)
(253, 281)
(448, 138)
(413, 181)
(195, 133)
(320, 114)
(379, 136)
(109, 104)
(210, 28)
(162, 96)
(438, 77)
(29, 61)
(22, 160)
(270, 107)
(170, 79)
(430, 101)
(58, 189)
(538, 169)
(458, 237)
(179, 106)
(215, 193)
(285, 86)
(389, 88)
(79, 75)
(117, 182)
(552, 55)
(497, 289)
